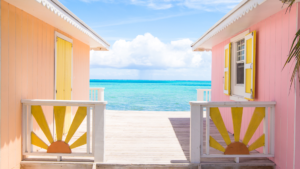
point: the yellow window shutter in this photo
(249, 69)
(227, 69)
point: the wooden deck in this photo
(142, 139)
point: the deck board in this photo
(140, 137)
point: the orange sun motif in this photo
(237, 147)
(58, 146)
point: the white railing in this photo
(203, 94)
(97, 94)
(96, 109)
(196, 129)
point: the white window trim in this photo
(233, 40)
(237, 98)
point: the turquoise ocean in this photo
(149, 95)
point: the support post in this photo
(237, 159)
(195, 130)
(101, 94)
(88, 123)
(272, 131)
(266, 131)
(99, 132)
(207, 129)
(24, 129)
(29, 130)
(200, 95)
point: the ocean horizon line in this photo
(147, 80)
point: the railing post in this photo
(272, 131)
(195, 130)
(101, 94)
(88, 123)
(24, 129)
(207, 129)
(266, 131)
(200, 94)
(98, 132)
(29, 129)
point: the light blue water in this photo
(150, 95)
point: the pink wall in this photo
(27, 72)
(274, 37)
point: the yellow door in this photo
(64, 75)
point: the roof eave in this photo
(252, 12)
(54, 13)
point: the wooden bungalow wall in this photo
(27, 72)
(274, 37)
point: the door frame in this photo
(59, 35)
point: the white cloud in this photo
(152, 59)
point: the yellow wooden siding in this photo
(237, 115)
(257, 117)
(79, 117)
(227, 65)
(248, 61)
(38, 114)
(59, 115)
(80, 141)
(214, 144)
(258, 143)
(250, 58)
(226, 81)
(35, 140)
(218, 121)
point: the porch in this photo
(141, 139)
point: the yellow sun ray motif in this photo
(59, 115)
(79, 142)
(214, 144)
(218, 121)
(257, 117)
(35, 140)
(237, 114)
(258, 143)
(79, 117)
(38, 114)
(58, 146)
(237, 147)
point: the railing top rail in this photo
(93, 88)
(233, 104)
(203, 89)
(62, 102)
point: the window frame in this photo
(236, 89)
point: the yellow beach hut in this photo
(45, 52)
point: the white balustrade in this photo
(203, 94)
(95, 109)
(196, 129)
(97, 94)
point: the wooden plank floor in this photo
(144, 137)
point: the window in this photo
(238, 65)
(240, 55)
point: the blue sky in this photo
(150, 39)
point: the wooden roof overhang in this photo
(244, 15)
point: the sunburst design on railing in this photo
(58, 146)
(237, 147)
